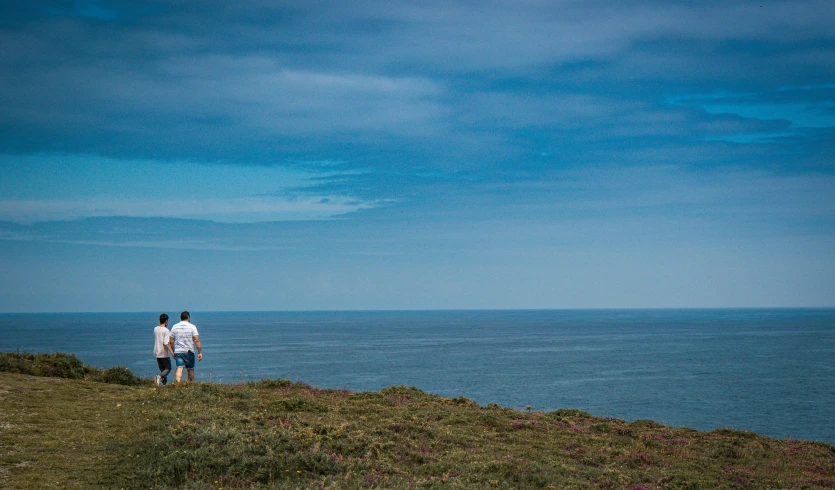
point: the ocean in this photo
(770, 371)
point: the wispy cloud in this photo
(796, 108)
(70, 187)
(239, 210)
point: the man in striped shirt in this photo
(186, 341)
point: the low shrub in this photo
(117, 375)
(58, 365)
(11, 362)
(270, 383)
(62, 365)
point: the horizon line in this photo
(438, 310)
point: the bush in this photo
(58, 365)
(11, 362)
(61, 365)
(270, 383)
(117, 375)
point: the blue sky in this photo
(398, 155)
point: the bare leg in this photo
(191, 374)
(178, 374)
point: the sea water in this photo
(770, 371)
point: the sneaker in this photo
(156, 380)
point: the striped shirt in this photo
(183, 333)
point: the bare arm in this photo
(170, 345)
(199, 347)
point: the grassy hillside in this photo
(77, 433)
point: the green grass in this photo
(75, 433)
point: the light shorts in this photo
(184, 359)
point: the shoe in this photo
(156, 380)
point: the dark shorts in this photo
(184, 359)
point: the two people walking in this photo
(180, 342)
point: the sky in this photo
(356, 155)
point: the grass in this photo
(76, 433)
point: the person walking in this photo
(162, 347)
(186, 341)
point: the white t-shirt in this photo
(183, 333)
(161, 336)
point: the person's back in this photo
(162, 347)
(186, 341)
(183, 333)
(161, 336)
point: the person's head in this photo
(163, 319)
(184, 316)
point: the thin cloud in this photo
(239, 210)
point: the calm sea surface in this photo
(768, 371)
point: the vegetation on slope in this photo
(61, 365)
(277, 434)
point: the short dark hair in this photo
(163, 318)
(184, 316)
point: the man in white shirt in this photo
(163, 345)
(185, 340)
